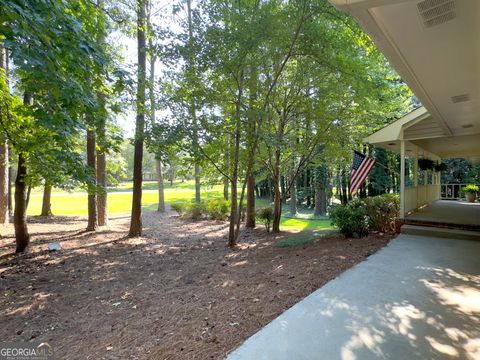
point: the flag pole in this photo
(387, 168)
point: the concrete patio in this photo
(449, 213)
(418, 298)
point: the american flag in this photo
(361, 167)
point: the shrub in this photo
(350, 220)
(179, 208)
(218, 209)
(382, 211)
(266, 216)
(195, 210)
(472, 189)
(191, 210)
(376, 213)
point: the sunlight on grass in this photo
(301, 224)
(305, 238)
(120, 202)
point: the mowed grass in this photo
(120, 198)
(120, 202)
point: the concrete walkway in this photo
(418, 298)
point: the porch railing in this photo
(420, 195)
(452, 191)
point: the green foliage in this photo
(195, 210)
(215, 209)
(381, 211)
(440, 166)
(266, 216)
(218, 209)
(58, 62)
(192, 210)
(359, 216)
(470, 189)
(351, 221)
(179, 207)
(425, 164)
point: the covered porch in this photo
(419, 136)
(447, 213)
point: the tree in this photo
(4, 166)
(92, 188)
(54, 69)
(136, 216)
(46, 200)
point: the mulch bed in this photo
(176, 293)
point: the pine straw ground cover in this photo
(176, 293)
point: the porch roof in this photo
(420, 129)
(433, 45)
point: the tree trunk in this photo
(102, 212)
(227, 170)
(92, 197)
(46, 201)
(307, 187)
(320, 199)
(193, 110)
(250, 222)
(234, 201)
(3, 157)
(136, 217)
(293, 195)
(232, 233)
(3, 180)
(277, 196)
(161, 195)
(22, 237)
(321, 175)
(271, 193)
(344, 185)
(10, 179)
(225, 189)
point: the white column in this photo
(415, 168)
(415, 176)
(402, 179)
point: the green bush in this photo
(191, 210)
(376, 213)
(350, 220)
(179, 207)
(218, 209)
(472, 189)
(195, 210)
(266, 216)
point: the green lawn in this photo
(120, 202)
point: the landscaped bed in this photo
(176, 293)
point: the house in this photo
(433, 45)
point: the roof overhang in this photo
(433, 45)
(422, 134)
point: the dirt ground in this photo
(176, 293)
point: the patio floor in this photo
(448, 212)
(418, 298)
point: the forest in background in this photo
(268, 98)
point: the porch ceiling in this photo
(433, 45)
(418, 128)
